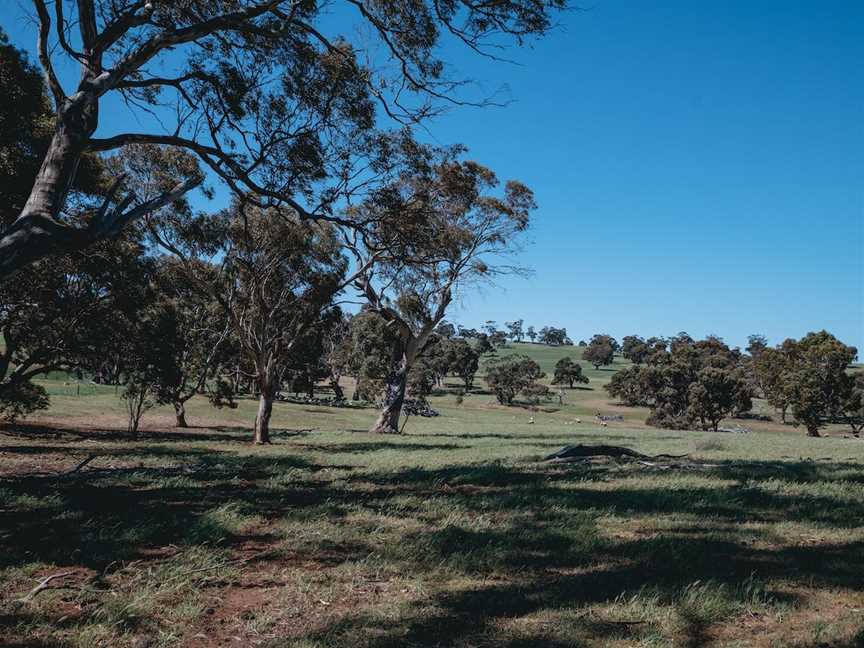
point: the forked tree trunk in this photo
(394, 397)
(262, 420)
(36, 232)
(180, 413)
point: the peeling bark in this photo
(262, 419)
(394, 397)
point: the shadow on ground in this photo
(545, 552)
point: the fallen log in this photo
(576, 452)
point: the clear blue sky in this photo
(699, 166)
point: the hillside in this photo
(546, 356)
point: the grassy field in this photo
(454, 534)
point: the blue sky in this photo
(698, 166)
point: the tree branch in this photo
(44, 58)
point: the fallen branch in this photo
(227, 563)
(43, 585)
(577, 452)
(81, 465)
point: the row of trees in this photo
(126, 283)
(687, 382)
(250, 297)
(514, 331)
(515, 374)
(810, 377)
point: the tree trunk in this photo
(394, 397)
(36, 232)
(262, 420)
(180, 413)
(783, 415)
(813, 431)
(337, 389)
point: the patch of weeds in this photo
(707, 602)
(218, 524)
(27, 502)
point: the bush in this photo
(510, 375)
(21, 399)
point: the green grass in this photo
(451, 535)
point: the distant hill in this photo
(546, 356)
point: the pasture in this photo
(453, 534)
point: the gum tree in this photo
(444, 228)
(266, 93)
(281, 275)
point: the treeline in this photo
(515, 331)
(106, 270)
(689, 382)
(246, 300)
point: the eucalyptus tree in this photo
(202, 328)
(444, 227)
(62, 315)
(815, 379)
(57, 315)
(462, 360)
(273, 96)
(514, 330)
(635, 349)
(281, 275)
(852, 402)
(599, 353)
(569, 372)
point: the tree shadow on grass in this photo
(102, 515)
(474, 615)
(219, 434)
(539, 548)
(376, 446)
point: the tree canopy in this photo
(273, 100)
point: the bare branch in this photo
(44, 57)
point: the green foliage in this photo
(626, 386)
(20, 399)
(513, 374)
(635, 349)
(599, 353)
(554, 336)
(371, 353)
(568, 372)
(603, 338)
(515, 331)
(462, 360)
(691, 383)
(151, 354)
(770, 368)
(716, 394)
(852, 402)
(813, 380)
